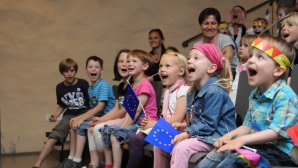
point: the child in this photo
(102, 100)
(138, 63)
(72, 100)
(210, 112)
(223, 28)
(290, 35)
(273, 108)
(172, 72)
(282, 11)
(259, 25)
(244, 53)
(113, 117)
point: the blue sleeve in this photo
(207, 113)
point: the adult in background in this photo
(209, 20)
(156, 40)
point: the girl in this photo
(113, 117)
(210, 112)
(282, 11)
(114, 136)
(244, 53)
(156, 40)
(290, 35)
(172, 72)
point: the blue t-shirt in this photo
(102, 92)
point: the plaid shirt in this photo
(276, 109)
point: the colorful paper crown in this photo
(260, 23)
(273, 52)
(222, 25)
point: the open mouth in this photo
(285, 35)
(252, 72)
(190, 70)
(124, 70)
(93, 74)
(164, 76)
(235, 16)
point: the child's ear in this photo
(181, 71)
(279, 71)
(212, 68)
(145, 66)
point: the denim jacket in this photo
(213, 113)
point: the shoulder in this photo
(225, 40)
(60, 85)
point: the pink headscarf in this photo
(212, 53)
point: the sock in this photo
(109, 166)
(70, 157)
(78, 160)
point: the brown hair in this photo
(66, 64)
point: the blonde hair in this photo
(248, 39)
(225, 77)
(291, 20)
(181, 62)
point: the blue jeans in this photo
(272, 154)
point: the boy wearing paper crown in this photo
(273, 108)
(259, 25)
(223, 28)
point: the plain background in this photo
(35, 35)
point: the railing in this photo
(186, 42)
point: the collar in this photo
(270, 92)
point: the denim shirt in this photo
(213, 112)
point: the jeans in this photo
(272, 154)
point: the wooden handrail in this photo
(186, 42)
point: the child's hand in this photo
(75, 122)
(53, 118)
(221, 141)
(231, 145)
(147, 123)
(95, 121)
(144, 122)
(179, 126)
(180, 137)
(90, 129)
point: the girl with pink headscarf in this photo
(210, 112)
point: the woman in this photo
(209, 20)
(156, 40)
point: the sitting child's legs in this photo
(136, 149)
(185, 149)
(162, 159)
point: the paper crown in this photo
(222, 25)
(273, 52)
(260, 23)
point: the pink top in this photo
(150, 107)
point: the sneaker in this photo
(73, 164)
(101, 165)
(64, 163)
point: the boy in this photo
(72, 100)
(102, 100)
(223, 28)
(259, 25)
(273, 108)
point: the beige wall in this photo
(36, 34)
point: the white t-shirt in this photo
(174, 96)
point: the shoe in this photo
(101, 165)
(73, 164)
(64, 163)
